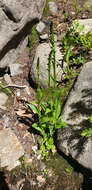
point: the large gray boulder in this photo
(43, 51)
(16, 19)
(76, 112)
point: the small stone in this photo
(6, 121)
(40, 27)
(3, 98)
(27, 90)
(18, 93)
(55, 38)
(44, 37)
(73, 13)
(53, 7)
(35, 149)
(43, 166)
(7, 79)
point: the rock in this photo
(44, 37)
(40, 27)
(16, 20)
(88, 3)
(10, 149)
(76, 112)
(42, 52)
(15, 69)
(5, 121)
(7, 79)
(3, 98)
(53, 7)
(87, 24)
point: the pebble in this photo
(7, 79)
(53, 7)
(3, 98)
(6, 121)
(40, 27)
(44, 37)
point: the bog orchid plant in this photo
(48, 108)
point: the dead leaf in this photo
(23, 113)
(41, 179)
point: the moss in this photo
(32, 37)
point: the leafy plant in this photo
(48, 111)
(76, 45)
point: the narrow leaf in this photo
(33, 108)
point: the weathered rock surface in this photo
(15, 69)
(42, 52)
(3, 100)
(16, 19)
(76, 112)
(10, 149)
(88, 3)
(87, 24)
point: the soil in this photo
(56, 173)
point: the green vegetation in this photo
(88, 132)
(48, 111)
(89, 8)
(5, 90)
(76, 7)
(76, 46)
(33, 37)
(66, 16)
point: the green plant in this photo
(48, 111)
(69, 170)
(76, 45)
(5, 90)
(87, 132)
(76, 7)
(32, 37)
(66, 16)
